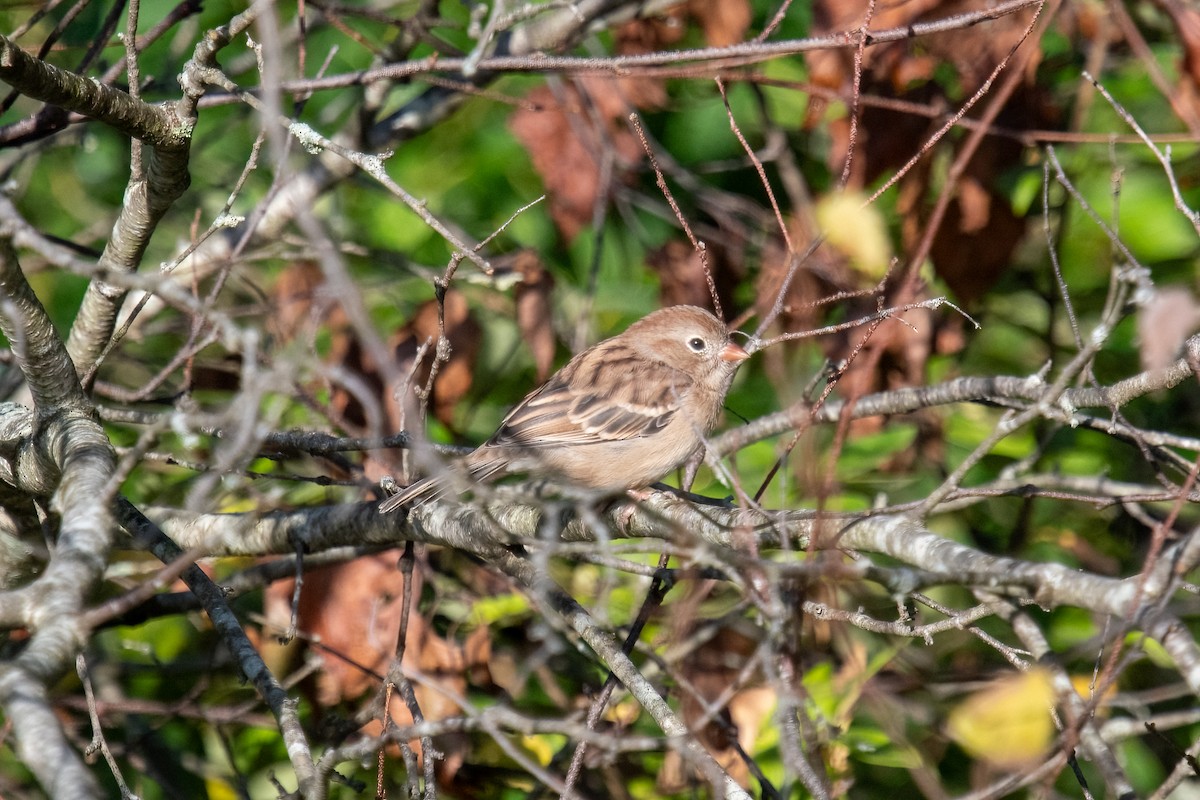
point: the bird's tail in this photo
(422, 491)
(481, 466)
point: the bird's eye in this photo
(696, 344)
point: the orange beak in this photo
(731, 352)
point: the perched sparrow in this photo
(618, 416)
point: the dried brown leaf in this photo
(566, 142)
(534, 316)
(1163, 323)
(681, 275)
(353, 610)
(455, 376)
(712, 672)
(977, 237)
(298, 302)
(568, 169)
(1186, 18)
(725, 22)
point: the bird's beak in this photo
(731, 352)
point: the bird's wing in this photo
(610, 396)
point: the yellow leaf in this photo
(1007, 724)
(542, 747)
(219, 789)
(857, 232)
(1083, 685)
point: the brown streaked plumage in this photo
(618, 416)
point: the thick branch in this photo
(146, 201)
(64, 439)
(41, 744)
(667, 516)
(155, 125)
(42, 357)
(167, 129)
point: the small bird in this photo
(617, 416)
